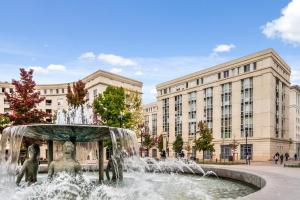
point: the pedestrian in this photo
(248, 158)
(276, 158)
(295, 156)
(281, 158)
(286, 155)
(163, 154)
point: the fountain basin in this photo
(59, 132)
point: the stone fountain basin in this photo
(58, 132)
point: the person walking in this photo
(281, 159)
(276, 158)
(248, 158)
(295, 156)
(286, 155)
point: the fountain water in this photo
(145, 178)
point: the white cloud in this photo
(138, 73)
(287, 26)
(153, 91)
(116, 60)
(49, 68)
(87, 56)
(116, 70)
(223, 48)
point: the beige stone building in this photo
(294, 129)
(150, 125)
(55, 94)
(248, 96)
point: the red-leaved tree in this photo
(76, 95)
(23, 101)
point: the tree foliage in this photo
(204, 142)
(160, 143)
(148, 142)
(4, 122)
(111, 108)
(76, 95)
(23, 101)
(178, 144)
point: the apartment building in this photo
(55, 94)
(294, 109)
(244, 98)
(150, 125)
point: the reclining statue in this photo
(30, 166)
(66, 164)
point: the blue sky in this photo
(151, 41)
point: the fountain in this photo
(143, 178)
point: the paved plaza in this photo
(281, 182)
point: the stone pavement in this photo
(282, 183)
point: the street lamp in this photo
(142, 127)
(246, 129)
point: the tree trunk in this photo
(203, 156)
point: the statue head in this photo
(34, 151)
(68, 147)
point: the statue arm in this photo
(51, 170)
(22, 172)
(107, 170)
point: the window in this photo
(165, 91)
(154, 124)
(207, 155)
(165, 109)
(48, 102)
(11, 90)
(48, 111)
(63, 90)
(247, 68)
(45, 91)
(226, 111)
(226, 74)
(5, 101)
(95, 93)
(178, 114)
(197, 81)
(225, 151)
(246, 149)
(187, 85)
(57, 91)
(247, 107)
(154, 153)
(201, 80)
(219, 75)
(208, 107)
(3, 90)
(192, 128)
(254, 66)
(146, 121)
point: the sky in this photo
(150, 41)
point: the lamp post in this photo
(142, 127)
(246, 129)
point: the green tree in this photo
(178, 144)
(111, 107)
(4, 122)
(160, 144)
(148, 143)
(76, 95)
(204, 142)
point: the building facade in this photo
(243, 98)
(150, 125)
(55, 94)
(294, 109)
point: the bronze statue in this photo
(67, 163)
(30, 166)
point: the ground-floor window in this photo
(154, 153)
(246, 149)
(225, 151)
(207, 155)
